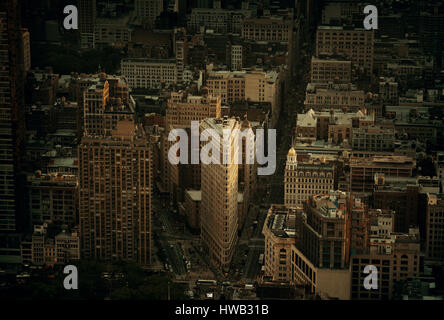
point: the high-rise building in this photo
(181, 51)
(11, 114)
(435, 226)
(25, 48)
(396, 256)
(320, 259)
(87, 21)
(281, 232)
(114, 178)
(439, 167)
(182, 109)
(219, 206)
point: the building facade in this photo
(149, 73)
(330, 69)
(115, 171)
(435, 226)
(219, 207)
(304, 179)
(354, 43)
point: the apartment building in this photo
(326, 69)
(149, 73)
(273, 29)
(374, 138)
(219, 207)
(435, 226)
(305, 178)
(53, 197)
(353, 43)
(362, 170)
(281, 232)
(336, 96)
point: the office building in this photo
(273, 29)
(50, 245)
(114, 179)
(353, 43)
(280, 231)
(184, 108)
(219, 206)
(374, 138)
(326, 69)
(362, 170)
(87, 11)
(149, 73)
(305, 178)
(320, 260)
(219, 20)
(336, 96)
(53, 197)
(12, 116)
(435, 226)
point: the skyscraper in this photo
(11, 113)
(219, 183)
(87, 21)
(115, 177)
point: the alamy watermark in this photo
(371, 20)
(371, 281)
(71, 281)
